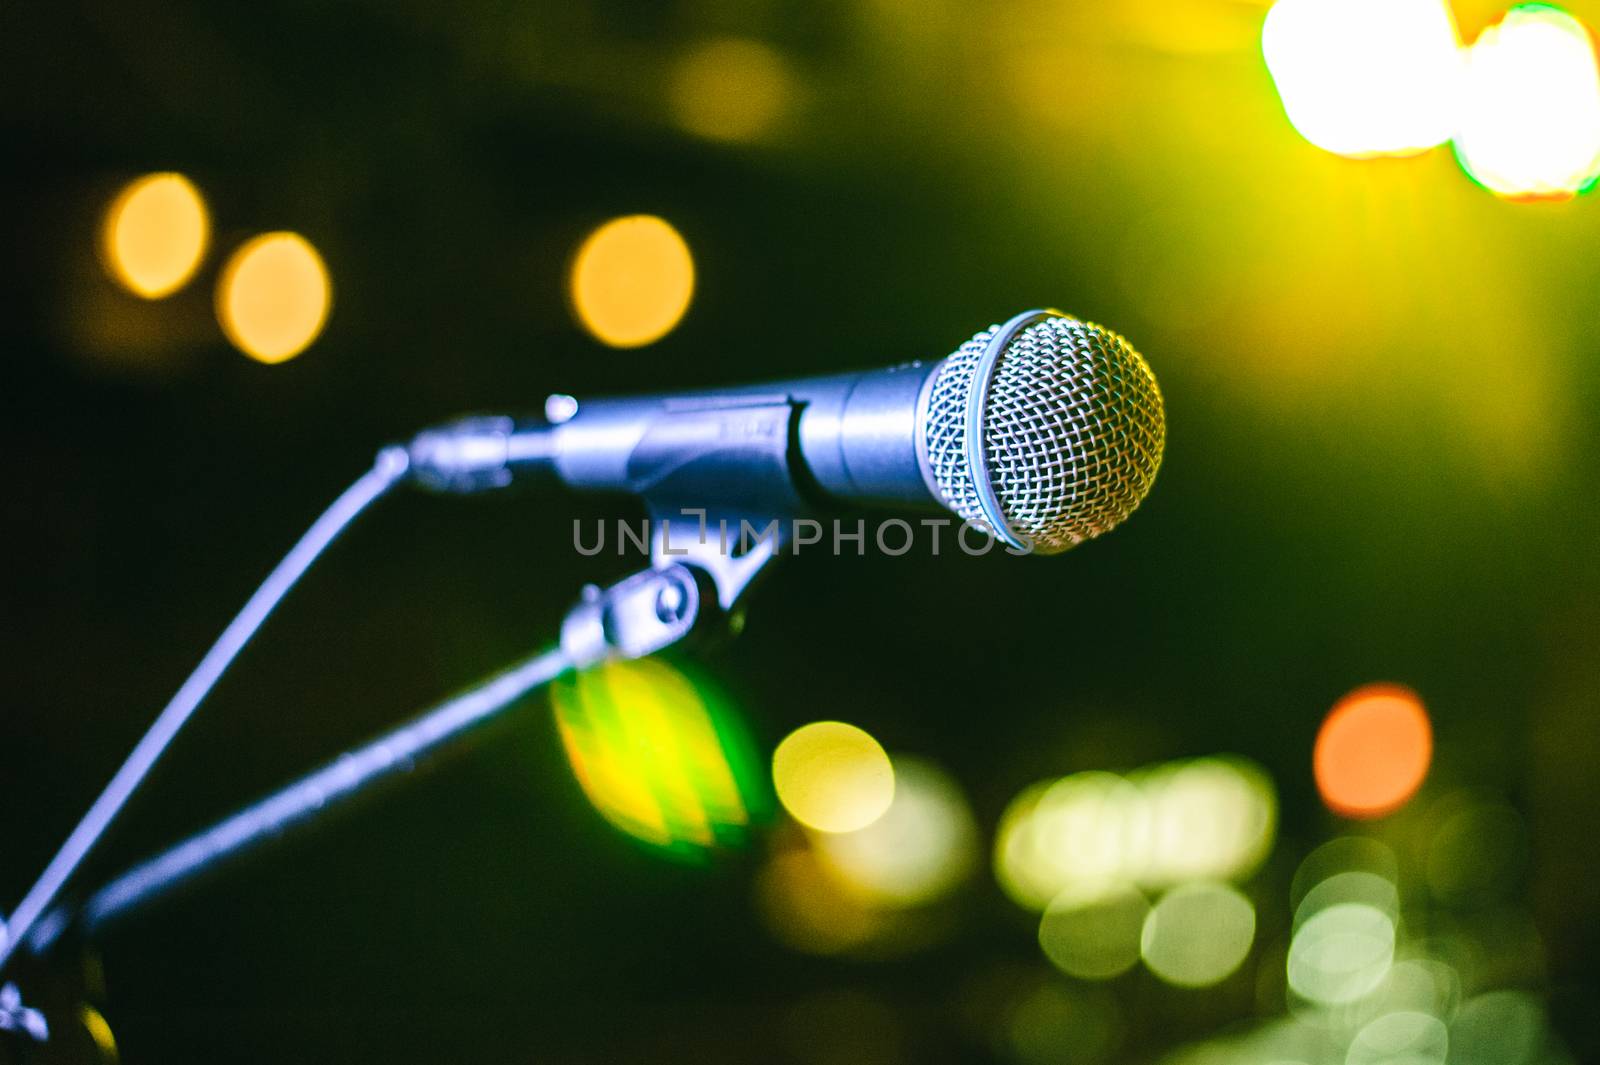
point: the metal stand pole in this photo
(638, 616)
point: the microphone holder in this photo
(694, 587)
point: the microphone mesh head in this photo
(1073, 430)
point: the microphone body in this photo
(1045, 431)
(777, 448)
(847, 438)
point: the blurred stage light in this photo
(804, 908)
(1423, 985)
(1499, 1028)
(99, 1033)
(1092, 931)
(661, 758)
(1198, 934)
(273, 297)
(631, 281)
(833, 777)
(1055, 1024)
(1476, 851)
(920, 850)
(1210, 818)
(154, 235)
(1373, 751)
(1405, 1036)
(1343, 854)
(1341, 953)
(1530, 119)
(1365, 78)
(731, 89)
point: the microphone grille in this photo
(1072, 430)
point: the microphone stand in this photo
(691, 587)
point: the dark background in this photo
(1381, 385)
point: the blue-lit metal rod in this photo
(350, 774)
(390, 467)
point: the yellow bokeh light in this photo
(99, 1032)
(658, 756)
(833, 777)
(1209, 818)
(1093, 932)
(155, 234)
(731, 89)
(804, 908)
(1198, 934)
(631, 281)
(1365, 77)
(922, 847)
(273, 297)
(1530, 119)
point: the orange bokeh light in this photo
(1373, 751)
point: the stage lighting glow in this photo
(1373, 751)
(1530, 119)
(99, 1033)
(921, 849)
(1198, 934)
(1424, 984)
(1365, 78)
(631, 281)
(1477, 851)
(804, 908)
(154, 235)
(1405, 1036)
(731, 89)
(1053, 1023)
(1341, 953)
(1084, 828)
(1352, 886)
(1210, 818)
(1498, 1028)
(833, 777)
(1092, 932)
(661, 758)
(273, 296)
(1343, 854)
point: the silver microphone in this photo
(1045, 431)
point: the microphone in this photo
(1044, 431)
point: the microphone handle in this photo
(775, 448)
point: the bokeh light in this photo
(1404, 1036)
(1365, 78)
(99, 1031)
(1093, 932)
(631, 281)
(1477, 850)
(1373, 751)
(273, 296)
(1530, 118)
(804, 908)
(1341, 953)
(1498, 1028)
(731, 89)
(154, 235)
(833, 777)
(922, 847)
(659, 756)
(1198, 934)
(1209, 818)
(1052, 1023)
